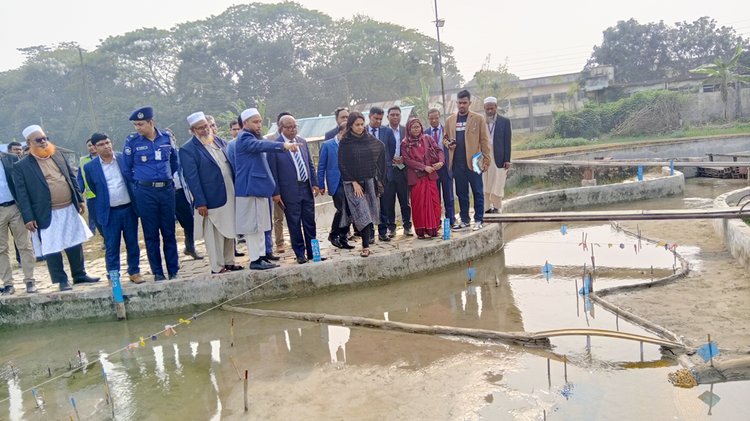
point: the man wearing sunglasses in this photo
(51, 204)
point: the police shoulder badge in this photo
(127, 150)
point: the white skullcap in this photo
(30, 130)
(195, 118)
(490, 100)
(250, 112)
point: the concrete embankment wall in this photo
(190, 295)
(734, 232)
(597, 195)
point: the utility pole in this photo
(439, 23)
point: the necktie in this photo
(301, 169)
(435, 133)
(374, 132)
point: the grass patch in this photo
(553, 143)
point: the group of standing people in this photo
(234, 187)
(470, 151)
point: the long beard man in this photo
(43, 152)
(206, 139)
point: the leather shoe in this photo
(137, 278)
(302, 260)
(261, 265)
(31, 288)
(238, 253)
(8, 290)
(158, 278)
(345, 245)
(322, 258)
(192, 253)
(270, 257)
(174, 275)
(233, 268)
(64, 286)
(383, 238)
(86, 280)
(336, 243)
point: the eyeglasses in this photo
(201, 127)
(41, 139)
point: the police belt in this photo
(155, 184)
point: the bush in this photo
(553, 143)
(598, 119)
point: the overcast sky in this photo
(537, 37)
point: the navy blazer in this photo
(252, 175)
(385, 135)
(331, 133)
(284, 171)
(32, 192)
(202, 173)
(501, 141)
(98, 184)
(328, 166)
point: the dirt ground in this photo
(713, 299)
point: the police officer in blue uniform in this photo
(150, 161)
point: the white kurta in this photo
(253, 220)
(67, 229)
(493, 179)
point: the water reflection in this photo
(337, 336)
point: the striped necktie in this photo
(301, 169)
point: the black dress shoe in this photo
(261, 265)
(238, 253)
(302, 260)
(322, 259)
(270, 257)
(383, 238)
(158, 278)
(174, 275)
(192, 253)
(8, 290)
(336, 243)
(345, 245)
(233, 268)
(86, 280)
(64, 286)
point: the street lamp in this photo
(439, 23)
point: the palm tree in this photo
(725, 73)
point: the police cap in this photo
(144, 113)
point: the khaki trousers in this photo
(278, 225)
(10, 219)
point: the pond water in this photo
(300, 370)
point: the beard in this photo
(43, 153)
(207, 139)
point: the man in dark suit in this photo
(210, 178)
(114, 208)
(397, 185)
(342, 114)
(51, 205)
(500, 137)
(445, 176)
(296, 189)
(385, 135)
(11, 220)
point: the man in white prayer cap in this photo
(51, 205)
(500, 138)
(210, 178)
(254, 185)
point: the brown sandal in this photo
(365, 253)
(223, 270)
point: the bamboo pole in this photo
(515, 338)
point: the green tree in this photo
(495, 82)
(725, 73)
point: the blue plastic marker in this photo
(315, 249)
(446, 229)
(671, 167)
(640, 173)
(114, 277)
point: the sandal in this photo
(233, 267)
(223, 270)
(365, 253)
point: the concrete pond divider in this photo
(734, 232)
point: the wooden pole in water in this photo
(617, 320)
(549, 375)
(75, 408)
(231, 333)
(247, 406)
(565, 367)
(641, 351)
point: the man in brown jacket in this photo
(466, 136)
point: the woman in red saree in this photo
(423, 158)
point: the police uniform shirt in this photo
(150, 161)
